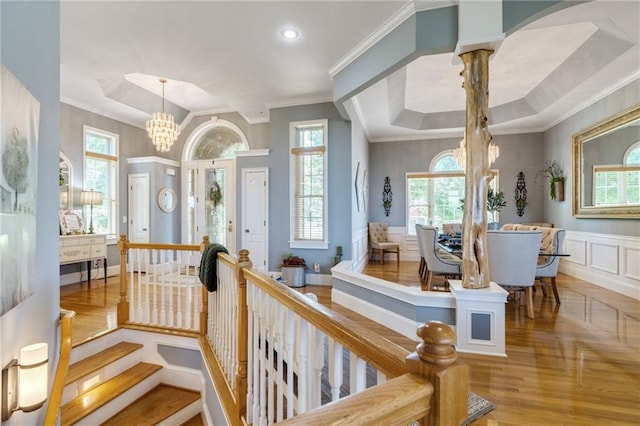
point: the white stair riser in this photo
(121, 401)
(183, 415)
(97, 345)
(108, 372)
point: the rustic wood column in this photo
(243, 330)
(475, 265)
(123, 304)
(436, 359)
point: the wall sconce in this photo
(25, 383)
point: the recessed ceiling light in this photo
(290, 34)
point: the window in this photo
(308, 168)
(434, 197)
(618, 184)
(101, 174)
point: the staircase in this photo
(100, 388)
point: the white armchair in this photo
(513, 258)
(436, 264)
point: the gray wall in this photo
(340, 190)
(30, 49)
(164, 227)
(359, 154)
(522, 152)
(558, 146)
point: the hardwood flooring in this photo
(577, 363)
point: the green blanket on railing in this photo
(209, 266)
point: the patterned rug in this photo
(478, 407)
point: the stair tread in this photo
(95, 362)
(90, 401)
(194, 421)
(154, 406)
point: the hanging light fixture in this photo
(161, 128)
(460, 154)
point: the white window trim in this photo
(111, 238)
(293, 243)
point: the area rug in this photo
(477, 407)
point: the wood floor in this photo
(577, 363)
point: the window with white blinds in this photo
(308, 167)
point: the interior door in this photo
(138, 207)
(254, 215)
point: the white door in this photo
(139, 208)
(209, 202)
(254, 215)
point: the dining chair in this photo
(513, 260)
(379, 242)
(548, 265)
(437, 263)
(422, 268)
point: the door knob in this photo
(144, 229)
(246, 230)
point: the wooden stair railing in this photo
(53, 408)
(436, 381)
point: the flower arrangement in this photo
(552, 171)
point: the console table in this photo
(84, 248)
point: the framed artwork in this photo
(71, 223)
(19, 125)
(365, 190)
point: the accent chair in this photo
(437, 263)
(548, 265)
(379, 242)
(513, 260)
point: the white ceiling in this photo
(229, 56)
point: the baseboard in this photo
(601, 279)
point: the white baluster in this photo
(144, 280)
(180, 290)
(263, 366)
(279, 348)
(361, 375)
(269, 346)
(303, 364)
(132, 302)
(250, 350)
(291, 331)
(168, 284)
(318, 363)
(335, 369)
(380, 378)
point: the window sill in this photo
(320, 245)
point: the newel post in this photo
(204, 309)
(436, 359)
(243, 331)
(123, 304)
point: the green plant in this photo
(552, 171)
(495, 201)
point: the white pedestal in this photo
(480, 318)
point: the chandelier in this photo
(161, 128)
(460, 154)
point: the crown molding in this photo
(299, 102)
(153, 159)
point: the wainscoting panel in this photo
(609, 261)
(604, 257)
(359, 248)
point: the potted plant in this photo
(495, 203)
(552, 171)
(293, 270)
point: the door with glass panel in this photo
(209, 202)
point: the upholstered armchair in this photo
(436, 263)
(422, 268)
(552, 240)
(513, 260)
(379, 242)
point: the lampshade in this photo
(91, 198)
(161, 128)
(32, 376)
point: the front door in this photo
(209, 202)
(138, 208)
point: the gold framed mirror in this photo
(606, 168)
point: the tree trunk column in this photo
(475, 265)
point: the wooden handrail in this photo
(53, 408)
(384, 355)
(398, 401)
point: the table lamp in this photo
(91, 198)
